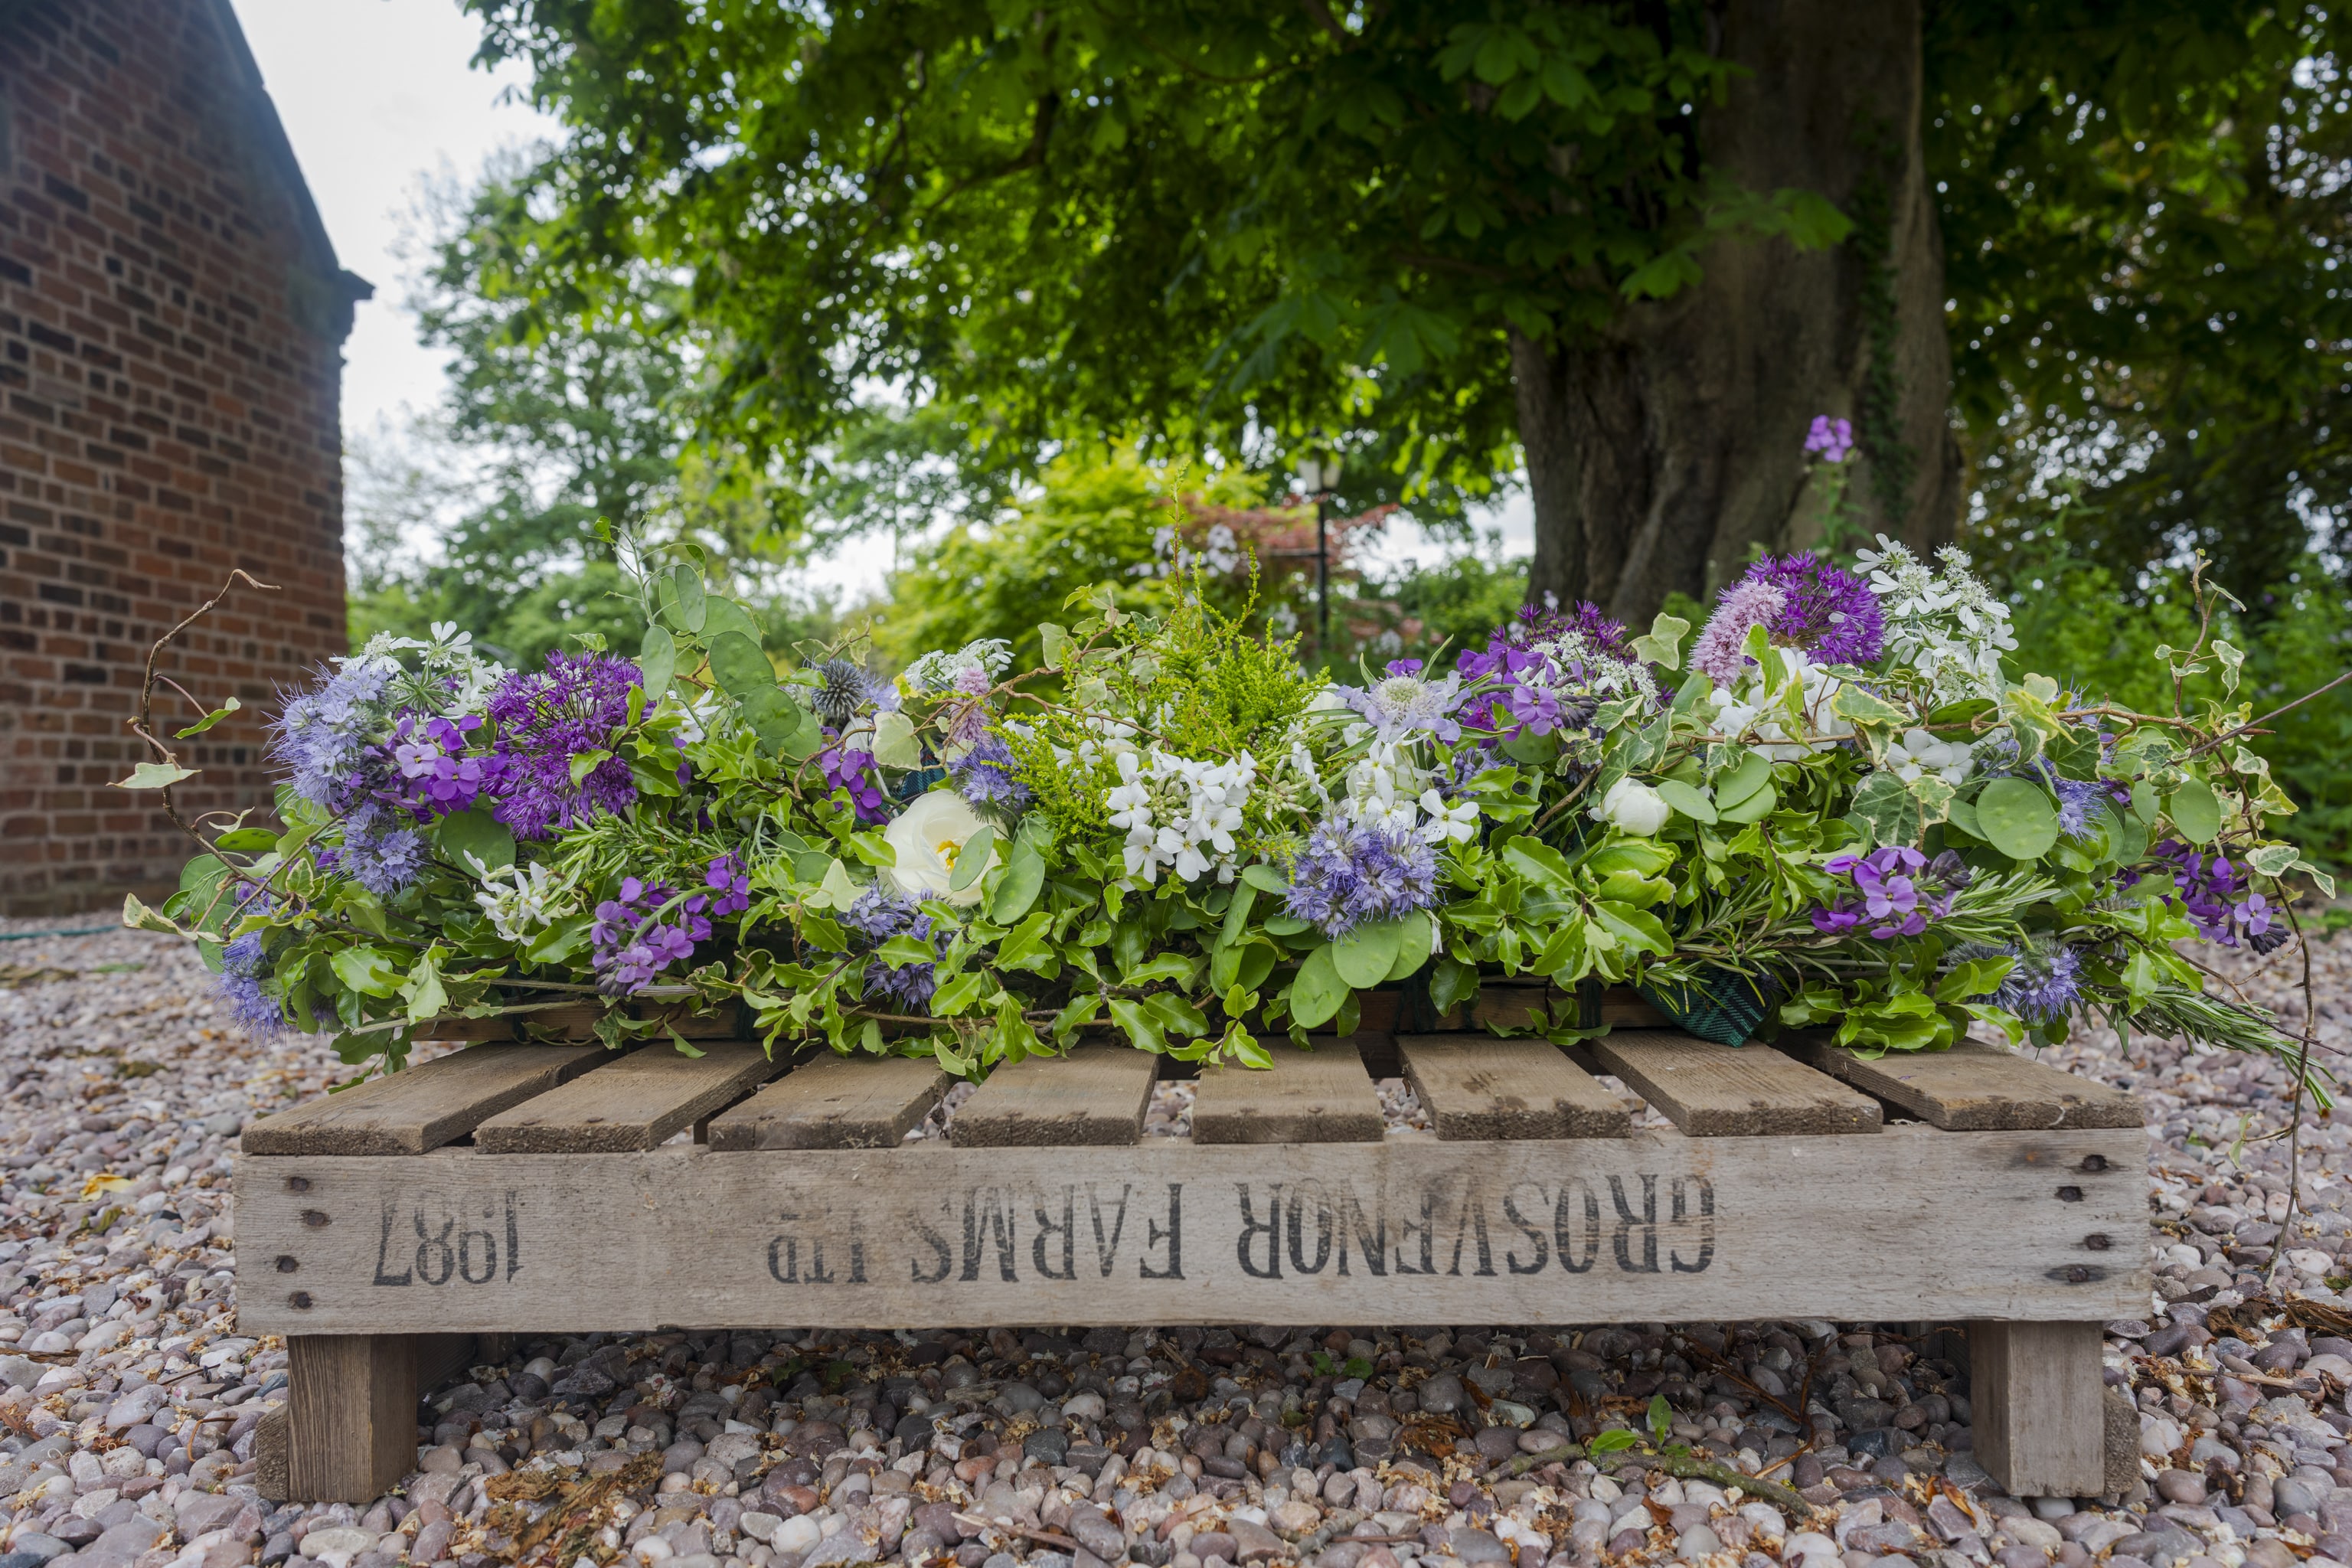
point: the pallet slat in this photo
(1309, 1097)
(1096, 1095)
(1477, 1087)
(1976, 1087)
(835, 1102)
(1721, 1092)
(632, 1103)
(1656, 1227)
(423, 1107)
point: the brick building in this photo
(170, 325)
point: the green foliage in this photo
(1222, 221)
(2075, 621)
(2146, 228)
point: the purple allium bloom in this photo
(1351, 873)
(1827, 610)
(878, 915)
(628, 951)
(1898, 887)
(1720, 654)
(328, 737)
(431, 758)
(385, 862)
(545, 719)
(983, 775)
(244, 966)
(1586, 624)
(1802, 602)
(853, 771)
(1397, 706)
(1832, 438)
(730, 885)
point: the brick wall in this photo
(171, 317)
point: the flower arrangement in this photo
(1840, 813)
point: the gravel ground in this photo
(132, 1403)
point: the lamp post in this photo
(1318, 475)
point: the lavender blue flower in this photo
(383, 863)
(983, 775)
(328, 739)
(244, 966)
(878, 915)
(1401, 704)
(2043, 985)
(545, 719)
(1350, 873)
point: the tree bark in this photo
(1661, 450)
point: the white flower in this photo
(1179, 813)
(1950, 628)
(1458, 822)
(936, 672)
(518, 902)
(1917, 753)
(928, 837)
(1635, 808)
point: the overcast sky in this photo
(378, 98)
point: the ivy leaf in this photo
(155, 775)
(1662, 645)
(366, 970)
(893, 742)
(209, 719)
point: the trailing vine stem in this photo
(142, 724)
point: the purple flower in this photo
(1350, 873)
(431, 758)
(2045, 983)
(1586, 625)
(1802, 602)
(729, 884)
(643, 931)
(878, 915)
(1402, 667)
(328, 739)
(1831, 438)
(545, 719)
(983, 775)
(1897, 887)
(244, 966)
(383, 863)
(853, 771)
(2215, 894)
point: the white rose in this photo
(1635, 807)
(927, 837)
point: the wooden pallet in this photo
(522, 1187)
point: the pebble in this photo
(128, 1401)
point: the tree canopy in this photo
(1258, 227)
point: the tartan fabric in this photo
(1720, 1004)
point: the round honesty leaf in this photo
(1364, 956)
(2017, 818)
(1417, 937)
(1687, 800)
(2194, 811)
(1317, 994)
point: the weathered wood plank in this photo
(1974, 1087)
(351, 1415)
(576, 1022)
(1509, 1005)
(1653, 1228)
(835, 1102)
(633, 1102)
(2040, 1428)
(1477, 1087)
(1721, 1092)
(1096, 1094)
(423, 1107)
(1307, 1096)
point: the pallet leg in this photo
(2040, 1421)
(351, 1415)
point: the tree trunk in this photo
(1661, 451)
